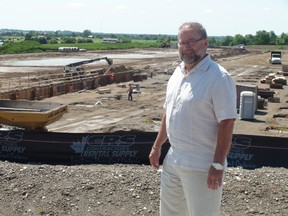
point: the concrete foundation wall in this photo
(45, 91)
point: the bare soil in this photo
(120, 190)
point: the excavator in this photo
(74, 69)
(166, 43)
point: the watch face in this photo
(217, 166)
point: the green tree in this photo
(212, 41)
(57, 33)
(86, 33)
(28, 36)
(282, 39)
(227, 41)
(238, 39)
(68, 40)
(272, 37)
(262, 38)
(250, 39)
(53, 41)
(42, 40)
(81, 40)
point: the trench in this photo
(59, 86)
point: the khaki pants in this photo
(185, 193)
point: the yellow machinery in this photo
(31, 115)
(74, 69)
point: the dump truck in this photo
(275, 57)
(75, 69)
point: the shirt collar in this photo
(202, 65)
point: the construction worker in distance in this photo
(130, 91)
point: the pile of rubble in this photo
(275, 81)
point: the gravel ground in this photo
(121, 190)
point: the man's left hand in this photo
(215, 178)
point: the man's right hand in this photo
(154, 157)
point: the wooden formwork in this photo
(41, 91)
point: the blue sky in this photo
(220, 17)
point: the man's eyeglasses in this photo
(189, 43)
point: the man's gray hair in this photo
(194, 25)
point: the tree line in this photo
(260, 38)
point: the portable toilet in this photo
(247, 105)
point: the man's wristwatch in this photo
(218, 166)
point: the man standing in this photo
(200, 109)
(130, 92)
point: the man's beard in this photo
(189, 58)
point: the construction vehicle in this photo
(239, 47)
(166, 43)
(275, 57)
(75, 69)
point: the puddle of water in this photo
(47, 62)
(65, 61)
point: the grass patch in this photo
(30, 46)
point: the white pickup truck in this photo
(275, 57)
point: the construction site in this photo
(87, 78)
(77, 96)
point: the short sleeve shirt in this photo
(195, 103)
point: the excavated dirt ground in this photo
(120, 190)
